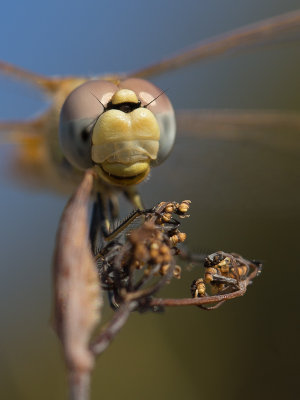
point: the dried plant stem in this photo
(110, 331)
(79, 384)
(149, 291)
(199, 300)
(77, 291)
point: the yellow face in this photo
(120, 129)
(125, 139)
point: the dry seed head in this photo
(181, 237)
(164, 249)
(154, 253)
(198, 288)
(224, 262)
(164, 269)
(140, 252)
(174, 240)
(215, 289)
(159, 259)
(147, 271)
(177, 272)
(159, 220)
(167, 257)
(211, 270)
(209, 274)
(137, 264)
(208, 278)
(166, 217)
(178, 238)
(169, 208)
(159, 236)
(243, 270)
(240, 272)
(184, 206)
(224, 269)
(154, 246)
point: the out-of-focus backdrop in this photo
(245, 198)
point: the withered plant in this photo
(131, 265)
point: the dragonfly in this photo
(88, 119)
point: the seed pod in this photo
(166, 217)
(224, 269)
(184, 206)
(164, 249)
(169, 208)
(164, 269)
(208, 277)
(181, 237)
(174, 239)
(177, 272)
(198, 288)
(154, 254)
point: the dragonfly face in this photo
(119, 128)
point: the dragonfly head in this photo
(121, 130)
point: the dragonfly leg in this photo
(134, 197)
(114, 208)
(104, 215)
(100, 222)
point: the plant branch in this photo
(113, 327)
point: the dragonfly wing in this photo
(274, 128)
(30, 140)
(42, 82)
(33, 161)
(51, 86)
(266, 31)
(19, 132)
(23, 74)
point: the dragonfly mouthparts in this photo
(127, 152)
(128, 156)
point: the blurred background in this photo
(245, 198)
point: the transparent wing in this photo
(285, 27)
(276, 129)
(48, 85)
(32, 130)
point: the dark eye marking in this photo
(85, 135)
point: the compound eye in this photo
(159, 104)
(79, 113)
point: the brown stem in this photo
(115, 324)
(200, 300)
(79, 385)
(139, 294)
